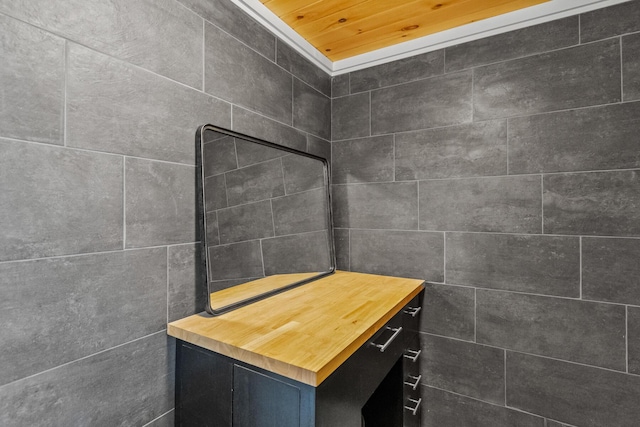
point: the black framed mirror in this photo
(265, 220)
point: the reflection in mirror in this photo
(267, 217)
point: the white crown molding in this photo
(545, 12)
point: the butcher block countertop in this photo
(305, 333)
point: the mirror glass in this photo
(266, 217)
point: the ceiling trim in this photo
(545, 12)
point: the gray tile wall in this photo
(99, 247)
(506, 172)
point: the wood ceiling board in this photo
(393, 33)
(374, 24)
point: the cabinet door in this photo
(262, 401)
(203, 388)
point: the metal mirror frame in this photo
(203, 217)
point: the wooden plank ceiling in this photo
(344, 28)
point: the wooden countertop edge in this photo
(313, 376)
(334, 364)
(272, 365)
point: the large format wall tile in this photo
(438, 101)
(160, 203)
(398, 253)
(250, 153)
(535, 264)
(601, 203)
(115, 107)
(296, 253)
(631, 67)
(579, 331)
(340, 85)
(577, 140)
(514, 44)
(245, 222)
(363, 160)
(300, 212)
(443, 409)
(235, 261)
(634, 339)
(341, 241)
(159, 35)
(267, 89)
(254, 183)
(385, 205)
(462, 367)
(610, 270)
(505, 204)
(311, 110)
(186, 285)
(227, 16)
(127, 385)
(31, 83)
(302, 174)
(319, 147)
(459, 151)
(215, 193)
(219, 156)
(350, 117)
(405, 70)
(62, 309)
(258, 126)
(448, 311)
(611, 21)
(57, 201)
(574, 394)
(296, 64)
(569, 78)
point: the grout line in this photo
(284, 181)
(268, 237)
(394, 157)
(162, 331)
(65, 58)
(226, 192)
(348, 85)
(621, 73)
(510, 408)
(505, 377)
(533, 114)
(349, 248)
(113, 251)
(264, 274)
(498, 233)
(444, 257)
(370, 133)
(150, 423)
(580, 277)
(542, 203)
(507, 125)
(217, 229)
(293, 89)
(418, 191)
(473, 102)
(626, 337)
(530, 354)
(203, 53)
(124, 202)
(475, 315)
(273, 221)
(513, 176)
(579, 29)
